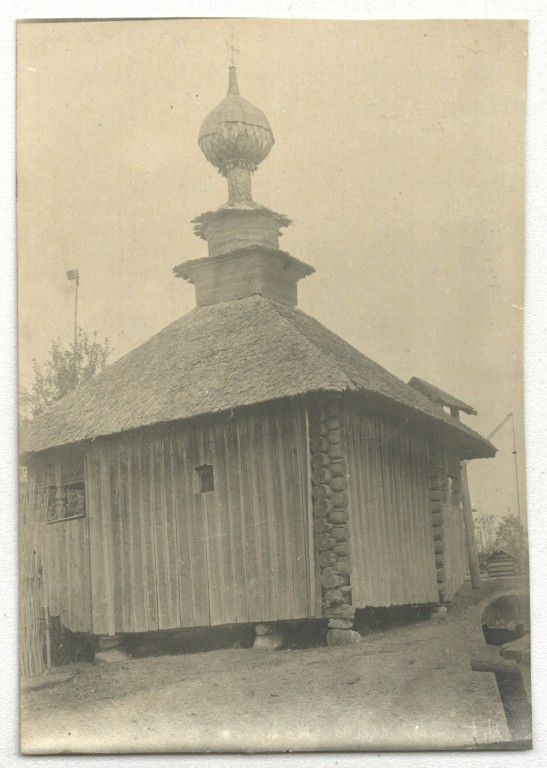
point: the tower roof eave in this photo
(201, 221)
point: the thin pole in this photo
(500, 425)
(76, 315)
(76, 363)
(516, 467)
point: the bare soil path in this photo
(409, 687)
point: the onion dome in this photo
(235, 133)
(235, 137)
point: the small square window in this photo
(73, 502)
(206, 479)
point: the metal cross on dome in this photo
(233, 50)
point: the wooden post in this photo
(469, 528)
(60, 498)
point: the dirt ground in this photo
(406, 687)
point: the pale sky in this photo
(399, 156)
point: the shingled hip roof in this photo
(225, 356)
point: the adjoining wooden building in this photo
(502, 563)
(246, 464)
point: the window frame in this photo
(204, 474)
(79, 483)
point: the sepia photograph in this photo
(271, 473)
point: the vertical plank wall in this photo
(455, 550)
(164, 555)
(65, 555)
(390, 519)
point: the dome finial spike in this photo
(233, 88)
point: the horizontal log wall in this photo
(330, 509)
(165, 555)
(392, 538)
(499, 565)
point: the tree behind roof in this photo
(64, 370)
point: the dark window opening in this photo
(68, 504)
(206, 478)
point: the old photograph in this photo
(271, 476)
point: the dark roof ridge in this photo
(353, 384)
(280, 310)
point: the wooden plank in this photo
(73, 569)
(392, 542)
(271, 471)
(116, 534)
(421, 537)
(255, 583)
(50, 570)
(314, 584)
(429, 533)
(67, 612)
(472, 557)
(455, 554)
(106, 524)
(425, 568)
(259, 519)
(231, 557)
(378, 565)
(157, 525)
(248, 547)
(129, 594)
(236, 530)
(138, 548)
(171, 532)
(57, 554)
(215, 566)
(305, 557)
(247, 585)
(64, 612)
(198, 554)
(218, 544)
(389, 511)
(369, 540)
(356, 464)
(293, 584)
(190, 545)
(74, 576)
(405, 535)
(96, 549)
(423, 516)
(148, 554)
(130, 619)
(87, 621)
